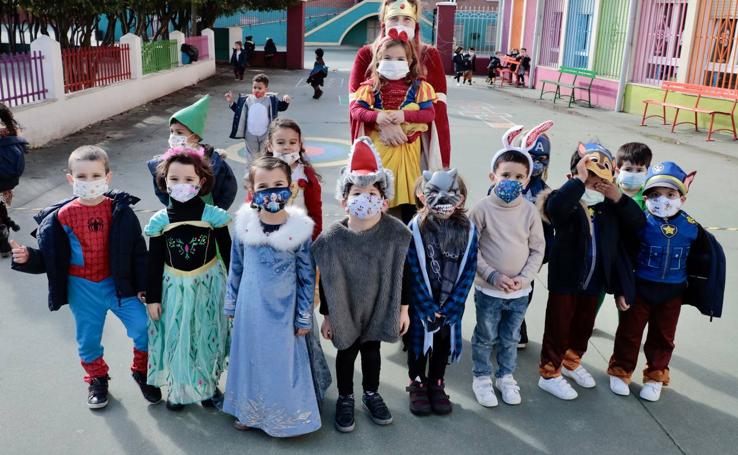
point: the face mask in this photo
(365, 206)
(538, 168)
(393, 70)
(508, 190)
(409, 31)
(183, 192)
(272, 199)
(289, 158)
(631, 181)
(592, 197)
(89, 190)
(177, 140)
(663, 207)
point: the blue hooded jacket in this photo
(12, 161)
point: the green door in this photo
(222, 46)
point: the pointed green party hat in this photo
(193, 116)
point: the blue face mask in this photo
(272, 199)
(508, 190)
(538, 168)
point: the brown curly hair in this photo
(202, 169)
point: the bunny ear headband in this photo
(525, 145)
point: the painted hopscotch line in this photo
(485, 113)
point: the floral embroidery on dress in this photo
(187, 249)
(273, 419)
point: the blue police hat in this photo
(667, 174)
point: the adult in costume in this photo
(403, 16)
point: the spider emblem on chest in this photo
(95, 224)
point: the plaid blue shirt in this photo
(423, 306)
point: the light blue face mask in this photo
(631, 181)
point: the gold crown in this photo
(401, 8)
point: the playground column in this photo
(210, 33)
(53, 68)
(445, 18)
(296, 36)
(134, 53)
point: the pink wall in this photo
(504, 18)
(530, 25)
(604, 92)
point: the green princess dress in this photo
(189, 252)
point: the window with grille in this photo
(714, 49)
(659, 43)
(611, 37)
(579, 33)
(553, 14)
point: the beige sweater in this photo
(511, 239)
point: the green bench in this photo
(578, 74)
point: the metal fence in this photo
(22, 78)
(659, 41)
(476, 26)
(611, 37)
(88, 67)
(579, 26)
(201, 43)
(715, 46)
(553, 19)
(159, 55)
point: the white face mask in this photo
(89, 190)
(631, 181)
(592, 197)
(410, 31)
(393, 69)
(177, 140)
(289, 158)
(183, 192)
(365, 206)
(663, 207)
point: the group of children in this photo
(248, 294)
(517, 70)
(465, 63)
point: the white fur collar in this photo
(297, 229)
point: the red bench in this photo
(700, 92)
(506, 62)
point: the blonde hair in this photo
(412, 60)
(88, 153)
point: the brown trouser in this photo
(569, 323)
(662, 321)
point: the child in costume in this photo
(270, 298)
(253, 113)
(633, 160)
(671, 244)
(186, 129)
(94, 256)
(12, 163)
(591, 221)
(441, 264)
(361, 260)
(511, 249)
(285, 142)
(186, 283)
(396, 94)
(238, 60)
(318, 74)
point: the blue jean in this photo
(90, 302)
(498, 325)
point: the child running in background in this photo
(361, 261)
(91, 249)
(188, 259)
(186, 129)
(633, 160)
(270, 298)
(318, 74)
(285, 142)
(395, 94)
(441, 264)
(253, 113)
(12, 163)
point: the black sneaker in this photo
(213, 401)
(151, 393)
(523, 342)
(419, 402)
(5, 248)
(174, 406)
(97, 393)
(345, 414)
(439, 400)
(378, 411)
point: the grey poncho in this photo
(361, 275)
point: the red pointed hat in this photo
(364, 159)
(364, 169)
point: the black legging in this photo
(371, 363)
(436, 359)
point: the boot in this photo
(419, 401)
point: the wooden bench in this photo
(700, 92)
(577, 73)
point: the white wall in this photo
(65, 114)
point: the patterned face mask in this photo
(663, 207)
(288, 158)
(365, 205)
(508, 190)
(177, 140)
(183, 192)
(89, 190)
(272, 199)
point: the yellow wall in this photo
(635, 94)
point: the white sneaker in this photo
(484, 392)
(509, 389)
(651, 391)
(581, 376)
(458, 84)
(558, 387)
(619, 387)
